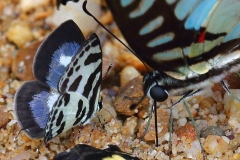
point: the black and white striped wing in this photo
(68, 72)
(80, 88)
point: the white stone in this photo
(27, 5)
(75, 12)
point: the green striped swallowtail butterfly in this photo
(189, 44)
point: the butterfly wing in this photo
(221, 40)
(56, 52)
(151, 27)
(34, 99)
(33, 102)
(185, 35)
(80, 87)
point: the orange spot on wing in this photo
(202, 37)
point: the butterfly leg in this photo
(225, 87)
(148, 123)
(183, 98)
(195, 126)
(99, 117)
(73, 134)
(93, 127)
(73, 137)
(153, 109)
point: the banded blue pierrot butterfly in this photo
(189, 44)
(68, 70)
(85, 152)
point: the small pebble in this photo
(19, 33)
(129, 95)
(234, 122)
(27, 5)
(187, 131)
(128, 73)
(212, 130)
(214, 144)
(4, 118)
(231, 105)
(217, 96)
(163, 123)
(130, 126)
(207, 102)
(75, 12)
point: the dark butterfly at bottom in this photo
(85, 152)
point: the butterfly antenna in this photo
(88, 13)
(17, 135)
(109, 67)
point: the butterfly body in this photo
(68, 72)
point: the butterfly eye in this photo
(158, 93)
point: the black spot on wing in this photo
(59, 103)
(59, 118)
(77, 68)
(75, 62)
(78, 120)
(64, 84)
(75, 84)
(87, 48)
(92, 58)
(81, 54)
(66, 99)
(70, 72)
(60, 130)
(53, 117)
(95, 42)
(80, 107)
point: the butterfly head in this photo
(153, 86)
